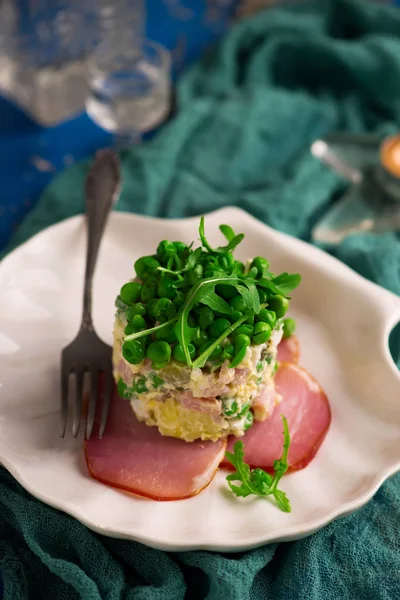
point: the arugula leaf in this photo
(255, 296)
(202, 359)
(139, 334)
(232, 244)
(203, 238)
(191, 262)
(199, 291)
(227, 231)
(215, 302)
(190, 334)
(283, 284)
(286, 283)
(233, 240)
(257, 481)
(250, 295)
(246, 295)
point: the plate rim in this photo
(391, 309)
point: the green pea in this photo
(178, 300)
(260, 264)
(130, 292)
(218, 327)
(150, 308)
(192, 322)
(133, 351)
(122, 389)
(228, 351)
(262, 295)
(145, 265)
(241, 341)
(206, 317)
(215, 353)
(262, 333)
(250, 320)
(200, 337)
(166, 334)
(289, 327)
(279, 304)
(235, 316)
(226, 261)
(165, 250)
(140, 385)
(179, 354)
(128, 329)
(239, 356)
(165, 288)
(226, 291)
(138, 323)
(239, 266)
(149, 290)
(140, 266)
(249, 420)
(243, 329)
(157, 381)
(159, 352)
(152, 264)
(244, 409)
(159, 365)
(180, 247)
(136, 309)
(230, 409)
(238, 303)
(164, 310)
(268, 316)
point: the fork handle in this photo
(101, 190)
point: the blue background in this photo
(23, 142)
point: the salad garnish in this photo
(201, 305)
(257, 481)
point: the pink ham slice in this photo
(289, 350)
(137, 458)
(306, 408)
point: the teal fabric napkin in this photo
(246, 117)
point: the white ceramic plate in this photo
(343, 323)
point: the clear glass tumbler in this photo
(129, 86)
(45, 45)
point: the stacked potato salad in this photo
(196, 336)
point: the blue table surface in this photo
(30, 155)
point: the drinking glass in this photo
(45, 45)
(129, 86)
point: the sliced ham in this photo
(289, 350)
(209, 405)
(137, 458)
(264, 404)
(306, 408)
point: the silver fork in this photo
(87, 353)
